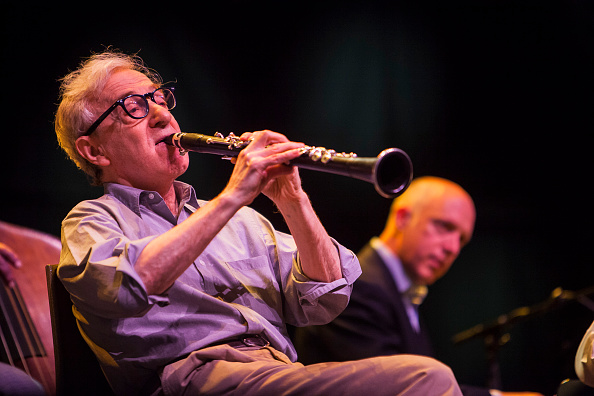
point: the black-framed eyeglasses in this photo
(137, 106)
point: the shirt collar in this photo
(131, 197)
(403, 282)
(393, 263)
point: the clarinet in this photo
(390, 172)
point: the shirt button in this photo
(151, 196)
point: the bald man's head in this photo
(427, 227)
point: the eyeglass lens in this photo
(137, 105)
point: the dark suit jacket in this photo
(374, 323)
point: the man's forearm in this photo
(165, 258)
(319, 257)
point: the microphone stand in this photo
(494, 333)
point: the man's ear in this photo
(91, 151)
(403, 216)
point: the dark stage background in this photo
(495, 95)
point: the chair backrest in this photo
(77, 369)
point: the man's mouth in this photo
(435, 263)
(163, 141)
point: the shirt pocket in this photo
(250, 263)
(252, 273)
(255, 280)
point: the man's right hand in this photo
(261, 163)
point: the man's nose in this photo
(158, 115)
(452, 244)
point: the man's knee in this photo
(440, 371)
(430, 364)
(428, 372)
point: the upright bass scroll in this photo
(390, 172)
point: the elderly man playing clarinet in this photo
(176, 295)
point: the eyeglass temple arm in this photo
(101, 118)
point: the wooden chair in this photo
(77, 369)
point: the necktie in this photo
(416, 294)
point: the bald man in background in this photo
(427, 227)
